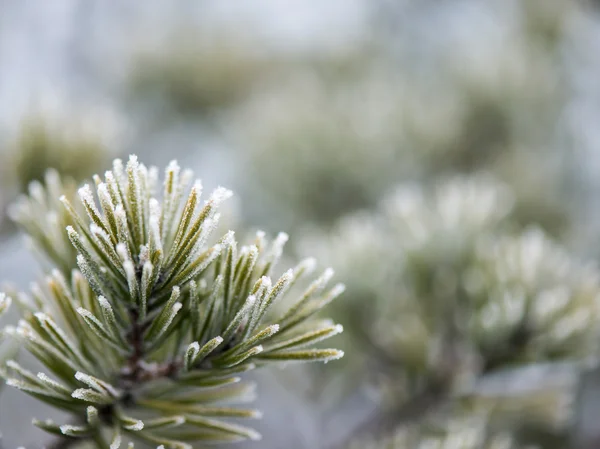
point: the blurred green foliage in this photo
(332, 138)
(445, 289)
(192, 76)
(40, 145)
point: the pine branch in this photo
(449, 293)
(146, 318)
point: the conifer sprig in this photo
(145, 328)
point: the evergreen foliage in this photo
(458, 432)
(145, 329)
(463, 295)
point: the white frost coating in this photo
(191, 354)
(47, 380)
(41, 317)
(328, 274)
(216, 252)
(96, 384)
(197, 188)
(79, 394)
(281, 285)
(172, 313)
(173, 166)
(5, 302)
(88, 395)
(154, 207)
(120, 212)
(209, 225)
(178, 420)
(337, 290)
(103, 194)
(92, 415)
(71, 232)
(244, 251)
(59, 277)
(98, 231)
(82, 377)
(116, 442)
(228, 239)
(250, 302)
(70, 430)
(338, 355)
(254, 435)
(266, 281)
(122, 252)
(260, 239)
(308, 265)
(282, 238)
(320, 283)
(112, 184)
(130, 271)
(165, 319)
(109, 315)
(136, 427)
(219, 195)
(86, 195)
(104, 303)
(287, 276)
(86, 314)
(13, 365)
(194, 348)
(24, 330)
(277, 247)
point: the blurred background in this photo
(442, 156)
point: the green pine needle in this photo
(146, 323)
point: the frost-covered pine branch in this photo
(43, 218)
(146, 338)
(451, 291)
(456, 432)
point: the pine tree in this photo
(144, 327)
